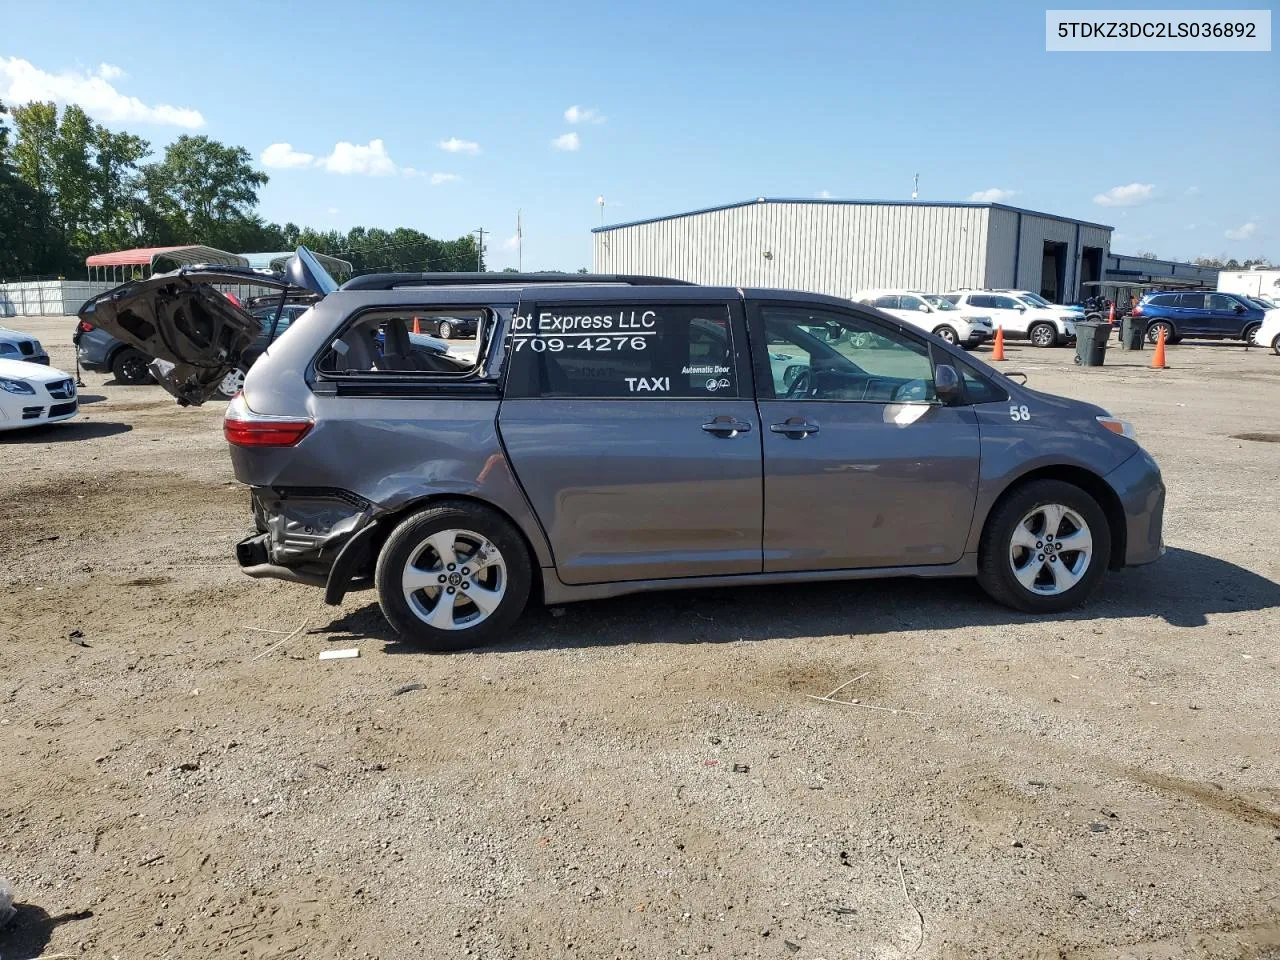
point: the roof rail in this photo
(393, 281)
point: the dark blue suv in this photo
(1203, 316)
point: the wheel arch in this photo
(1088, 481)
(389, 521)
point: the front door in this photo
(862, 466)
(1226, 315)
(632, 429)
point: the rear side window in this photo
(615, 351)
(887, 302)
(391, 342)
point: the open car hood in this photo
(195, 334)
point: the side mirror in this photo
(1021, 308)
(1239, 308)
(946, 383)
(925, 308)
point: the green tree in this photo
(36, 125)
(119, 199)
(204, 190)
(19, 232)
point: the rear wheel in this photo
(445, 329)
(130, 367)
(1043, 335)
(1153, 331)
(1045, 547)
(231, 384)
(453, 576)
(946, 333)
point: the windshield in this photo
(1031, 300)
(939, 302)
(1264, 303)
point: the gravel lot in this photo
(640, 777)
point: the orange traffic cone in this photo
(1157, 358)
(1112, 318)
(997, 348)
(417, 326)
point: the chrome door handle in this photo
(726, 427)
(794, 428)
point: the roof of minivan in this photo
(393, 281)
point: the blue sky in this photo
(695, 104)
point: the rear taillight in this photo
(244, 428)
(84, 326)
(1137, 311)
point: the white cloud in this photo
(454, 145)
(439, 178)
(1130, 195)
(22, 82)
(577, 114)
(512, 241)
(992, 195)
(283, 156)
(567, 141)
(369, 159)
(1243, 232)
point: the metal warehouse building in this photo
(843, 246)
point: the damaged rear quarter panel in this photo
(391, 451)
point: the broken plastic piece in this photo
(348, 654)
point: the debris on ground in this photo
(408, 688)
(741, 768)
(77, 637)
(348, 654)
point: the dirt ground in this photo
(641, 777)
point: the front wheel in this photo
(453, 576)
(1043, 335)
(1251, 334)
(445, 329)
(946, 333)
(1275, 346)
(1045, 548)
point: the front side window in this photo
(822, 355)
(913, 303)
(1222, 304)
(614, 351)
(1005, 303)
(941, 303)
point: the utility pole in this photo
(480, 248)
(519, 244)
(915, 188)
(600, 200)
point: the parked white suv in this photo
(1043, 326)
(1035, 300)
(932, 312)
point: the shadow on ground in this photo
(65, 432)
(29, 932)
(1182, 588)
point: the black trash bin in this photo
(1091, 342)
(1131, 333)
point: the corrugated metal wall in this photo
(835, 248)
(1006, 226)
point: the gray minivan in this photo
(613, 434)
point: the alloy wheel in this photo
(232, 383)
(1043, 336)
(454, 580)
(1050, 549)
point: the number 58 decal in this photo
(1017, 413)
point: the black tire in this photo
(410, 536)
(130, 367)
(995, 569)
(947, 333)
(1250, 331)
(1153, 332)
(1043, 335)
(445, 330)
(1275, 346)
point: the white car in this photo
(1035, 300)
(931, 312)
(32, 394)
(16, 345)
(1268, 335)
(1044, 327)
